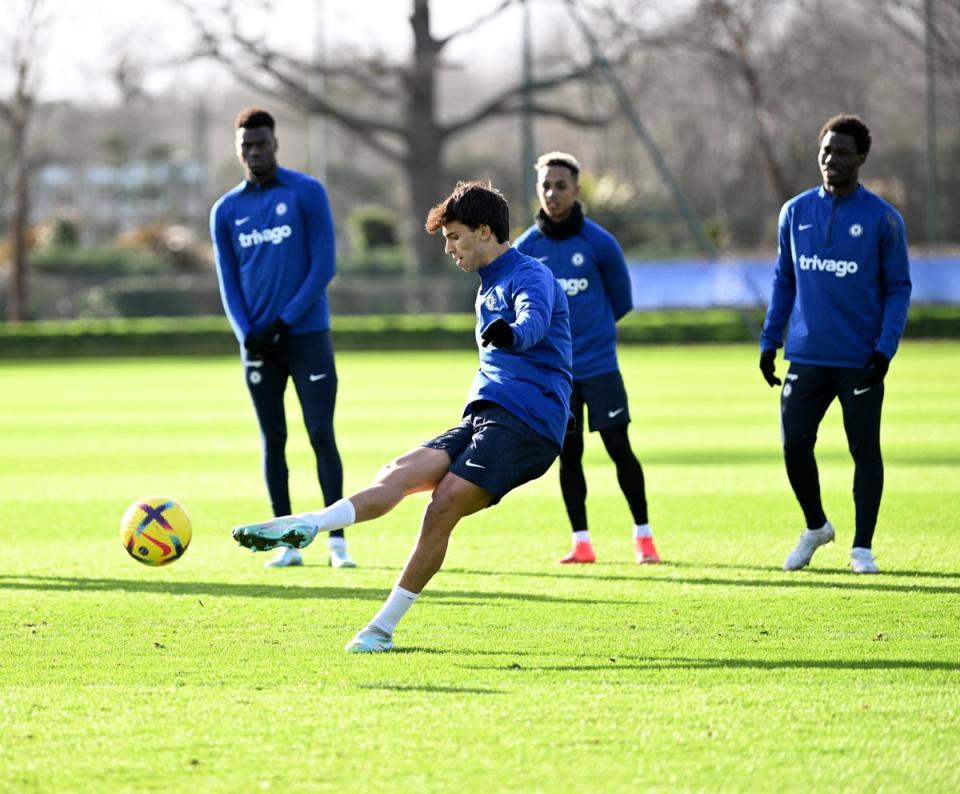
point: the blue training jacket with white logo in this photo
(842, 279)
(275, 252)
(532, 377)
(591, 269)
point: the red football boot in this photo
(581, 552)
(645, 551)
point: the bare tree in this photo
(735, 35)
(17, 111)
(402, 123)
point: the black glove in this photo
(768, 367)
(264, 342)
(876, 370)
(498, 333)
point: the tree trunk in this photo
(17, 298)
(422, 164)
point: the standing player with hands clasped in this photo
(513, 424)
(273, 240)
(589, 265)
(842, 282)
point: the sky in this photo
(86, 38)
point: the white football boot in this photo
(289, 531)
(371, 640)
(284, 558)
(810, 541)
(862, 561)
(340, 558)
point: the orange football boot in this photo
(645, 551)
(581, 552)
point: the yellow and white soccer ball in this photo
(155, 530)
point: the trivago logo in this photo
(276, 235)
(839, 267)
(573, 286)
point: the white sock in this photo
(339, 515)
(394, 608)
(337, 542)
(642, 531)
(581, 536)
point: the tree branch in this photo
(482, 20)
(501, 103)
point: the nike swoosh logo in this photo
(612, 414)
(321, 376)
(804, 226)
(542, 258)
(473, 465)
(241, 221)
(858, 392)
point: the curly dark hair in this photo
(848, 124)
(473, 204)
(254, 117)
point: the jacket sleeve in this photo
(533, 298)
(784, 287)
(614, 274)
(321, 248)
(228, 274)
(895, 271)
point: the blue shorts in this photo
(495, 450)
(606, 398)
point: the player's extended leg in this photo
(315, 378)
(807, 393)
(418, 470)
(630, 478)
(861, 421)
(452, 499)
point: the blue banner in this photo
(745, 284)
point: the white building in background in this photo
(104, 200)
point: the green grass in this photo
(714, 671)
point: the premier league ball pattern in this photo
(156, 530)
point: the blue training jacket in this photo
(275, 252)
(532, 377)
(842, 279)
(590, 268)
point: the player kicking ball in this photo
(513, 424)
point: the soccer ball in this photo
(155, 530)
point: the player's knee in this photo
(617, 442)
(797, 442)
(865, 452)
(274, 443)
(321, 438)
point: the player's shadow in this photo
(654, 663)
(68, 584)
(441, 690)
(797, 579)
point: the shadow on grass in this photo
(444, 690)
(69, 584)
(726, 456)
(797, 579)
(949, 575)
(681, 663)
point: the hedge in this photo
(212, 335)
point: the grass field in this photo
(715, 671)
